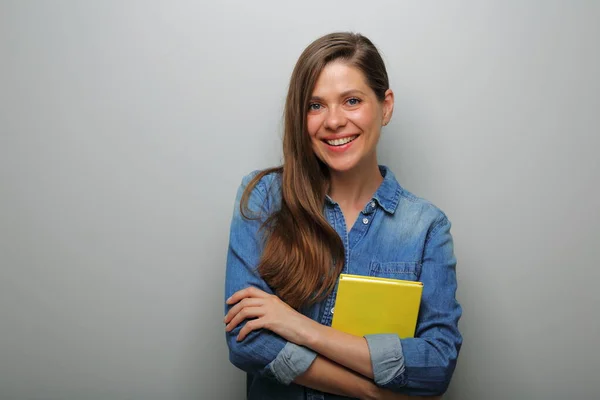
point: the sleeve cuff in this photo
(291, 362)
(387, 359)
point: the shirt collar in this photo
(388, 193)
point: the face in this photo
(344, 118)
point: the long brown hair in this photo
(303, 255)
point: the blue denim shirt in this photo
(397, 235)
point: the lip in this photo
(342, 148)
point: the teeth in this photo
(339, 142)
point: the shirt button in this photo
(365, 221)
(373, 204)
(332, 309)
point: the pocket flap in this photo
(409, 271)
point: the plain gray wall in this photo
(125, 129)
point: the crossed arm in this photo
(267, 337)
(343, 362)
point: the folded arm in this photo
(262, 351)
(336, 362)
(417, 366)
(329, 377)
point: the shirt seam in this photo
(436, 227)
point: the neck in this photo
(356, 187)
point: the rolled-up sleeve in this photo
(262, 351)
(423, 365)
(387, 359)
(291, 362)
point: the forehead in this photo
(339, 77)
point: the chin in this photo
(345, 166)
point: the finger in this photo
(246, 313)
(249, 327)
(247, 292)
(247, 302)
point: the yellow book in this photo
(368, 305)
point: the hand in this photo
(269, 312)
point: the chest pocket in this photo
(408, 271)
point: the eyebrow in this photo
(343, 94)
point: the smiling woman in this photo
(345, 118)
(332, 209)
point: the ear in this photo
(388, 107)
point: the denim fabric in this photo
(397, 235)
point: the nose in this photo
(335, 119)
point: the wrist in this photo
(311, 335)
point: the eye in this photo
(353, 101)
(314, 107)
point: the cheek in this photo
(312, 125)
(366, 118)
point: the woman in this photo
(331, 208)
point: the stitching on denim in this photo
(363, 234)
(393, 203)
(397, 354)
(395, 271)
(263, 192)
(409, 196)
(397, 263)
(438, 225)
(396, 197)
(409, 267)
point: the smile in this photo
(341, 142)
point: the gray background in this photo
(125, 129)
